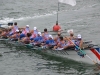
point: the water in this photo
(24, 62)
(83, 18)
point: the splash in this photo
(7, 19)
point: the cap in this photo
(70, 31)
(17, 30)
(39, 33)
(27, 25)
(50, 36)
(34, 28)
(79, 36)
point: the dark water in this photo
(83, 18)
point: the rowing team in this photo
(34, 37)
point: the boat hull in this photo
(69, 54)
(72, 54)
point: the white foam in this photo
(6, 20)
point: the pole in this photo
(57, 11)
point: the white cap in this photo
(70, 31)
(17, 30)
(27, 25)
(39, 33)
(35, 28)
(79, 36)
(50, 36)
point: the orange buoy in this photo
(56, 27)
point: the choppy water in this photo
(25, 62)
(83, 18)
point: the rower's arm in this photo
(81, 43)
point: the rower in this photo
(4, 33)
(57, 39)
(50, 42)
(35, 31)
(56, 27)
(71, 34)
(71, 38)
(79, 41)
(15, 37)
(33, 35)
(45, 34)
(26, 39)
(38, 40)
(61, 45)
(24, 31)
(15, 27)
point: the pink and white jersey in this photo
(46, 36)
(26, 30)
(14, 29)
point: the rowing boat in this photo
(69, 53)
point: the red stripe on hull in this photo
(95, 52)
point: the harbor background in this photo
(84, 19)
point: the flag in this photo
(96, 51)
(70, 2)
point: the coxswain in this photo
(56, 27)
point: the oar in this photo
(85, 54)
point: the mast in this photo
(58, 11)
